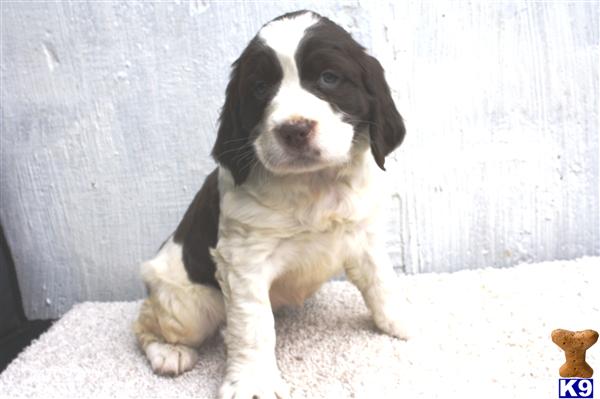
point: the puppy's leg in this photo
(250, 336)
(177, 316)
(372, 272)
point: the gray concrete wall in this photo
(108, 115)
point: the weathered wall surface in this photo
(108, 116)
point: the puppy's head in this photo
(299, 95)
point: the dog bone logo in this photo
(575, 344)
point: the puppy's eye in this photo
(260, 88)
(329, 80)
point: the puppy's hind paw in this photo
(171, 360)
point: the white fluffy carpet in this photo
(482, 333)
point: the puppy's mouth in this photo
(303, 155)
(281, 159)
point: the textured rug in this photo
(480, 333)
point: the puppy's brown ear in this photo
(387, 128)
(233, 148)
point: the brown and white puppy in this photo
(307, 123)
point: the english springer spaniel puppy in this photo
(307, 124)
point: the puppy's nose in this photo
(296, 133)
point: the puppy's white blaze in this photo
(333, 137)
(284, 35)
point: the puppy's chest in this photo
(307, 260)
(326, 210)
(306, 235)
(298, 221)
(304, 210)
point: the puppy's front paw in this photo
(396, 323)
(257, 384)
